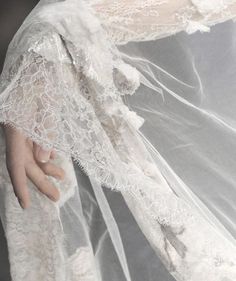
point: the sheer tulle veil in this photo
(190, 126)
(182, 116)
(187, 128)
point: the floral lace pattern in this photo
(35, 238)
(81, 269)
(171, 225)
(127, 21)
(72, 100)
(51, 101)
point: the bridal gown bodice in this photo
(70, 96)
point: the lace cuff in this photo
(126, 78)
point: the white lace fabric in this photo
(68, 95)
(51, 100)
(135, 20)
(40, 86)
(36, 239)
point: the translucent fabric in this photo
(191, 123)
(140, 119)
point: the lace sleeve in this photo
(135, 20)
(58, 100)
(34, 90)
(28, 102)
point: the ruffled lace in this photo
(71, 99)
(64, 104)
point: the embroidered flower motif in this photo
(134, 119)
(126, 78)
(194, 26)
(124, 115)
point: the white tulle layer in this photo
(72, 100)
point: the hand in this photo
(26, 159)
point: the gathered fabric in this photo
(77, 79)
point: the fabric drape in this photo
(148, 117)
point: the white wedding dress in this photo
(72, 73)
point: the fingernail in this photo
(43, 156)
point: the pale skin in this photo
(25, 161)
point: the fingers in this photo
(37, 176)
(26, 159)
(52, 170)
(40, 154)
(19, 182)
(42, 158)
(15, 153)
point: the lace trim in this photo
(77, 108)
(65, 105)
(127, 21)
